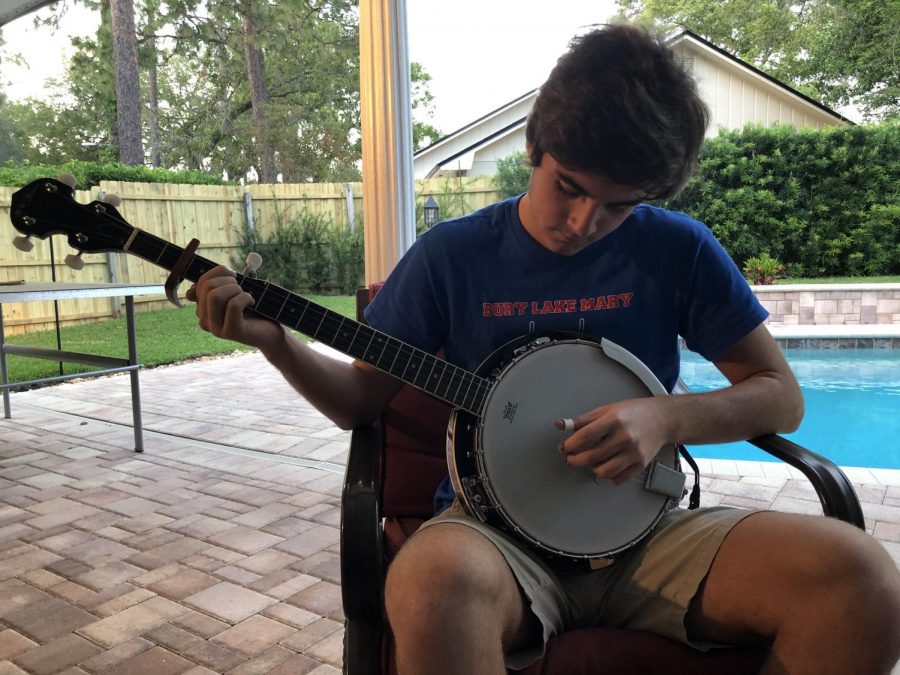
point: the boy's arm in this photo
(763, 398)
(348, 393)
(620, 439)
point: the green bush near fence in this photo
(451, 199)
(89, 174)
(306, 253)
(823, 203)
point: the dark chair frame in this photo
(363, 558)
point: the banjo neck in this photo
(436, 377)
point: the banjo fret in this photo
(408, 362)
(467, 381)
(423, 378)
(446, 381)
(356, 348)
(477, 395)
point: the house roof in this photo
(493, 113)
(673, 40)
(686, 33)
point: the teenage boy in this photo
(618, 123)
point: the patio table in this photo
(43, 291)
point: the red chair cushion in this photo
(630, 652)
(415, 462)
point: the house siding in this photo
(737, 96)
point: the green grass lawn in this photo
(163, 336)
(843, 280)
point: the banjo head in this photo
(522, 474)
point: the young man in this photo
(616, 124)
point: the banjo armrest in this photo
(834, 489)
(361, 559)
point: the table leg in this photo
(133, 374)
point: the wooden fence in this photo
(216, 215)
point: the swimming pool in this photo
(852, 405)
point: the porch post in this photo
(387, 173)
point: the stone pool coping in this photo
(865, 336)
(780, 470)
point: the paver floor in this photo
(216, 550)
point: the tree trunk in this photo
(259, 98)
(128, 86)
(153, 85)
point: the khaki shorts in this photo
(649, 587)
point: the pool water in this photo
(852, 405)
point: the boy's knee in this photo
(444, 569)
(855, 573)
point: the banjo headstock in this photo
(47, 206)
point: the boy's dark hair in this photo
(617, 104)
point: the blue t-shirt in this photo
(472, 284)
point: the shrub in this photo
(306, 254)
(513, 174)
(762, 269)
(349, 262)
(824, 202)
(89, 174)
(452, 203)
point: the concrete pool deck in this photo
(216, 550)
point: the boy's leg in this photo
(454, 605)
(825, 593)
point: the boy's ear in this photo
(529, 153)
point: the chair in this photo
(393, 469)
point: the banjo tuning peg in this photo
(76, 262)
(252, 264)
(112, 199)
(23, 243)
(67, 179)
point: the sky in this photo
(480, 54)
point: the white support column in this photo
(387, 180)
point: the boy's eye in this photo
(562, 188)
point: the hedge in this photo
(824, 203)
(89, 174)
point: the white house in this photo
(737, 94)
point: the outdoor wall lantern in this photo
(431, 211)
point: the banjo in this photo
(501, 440)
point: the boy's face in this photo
(566, 210)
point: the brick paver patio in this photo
(215, 551)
